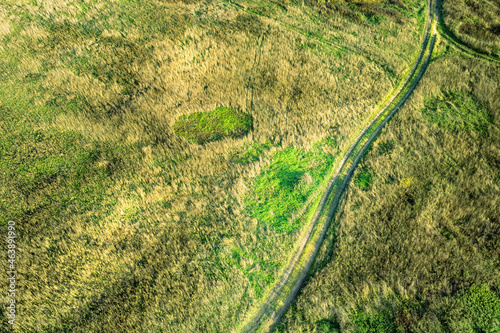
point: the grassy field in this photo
(124, 223)
(475, 23)
(415, 247)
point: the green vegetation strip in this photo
(295, 273)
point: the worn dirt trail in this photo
(267, 315)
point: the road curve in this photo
(269, 312)
(456, 43)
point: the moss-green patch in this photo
(285, 185)
(63, 175)
(363, 179)
(46, 171)
(223, 122)
(457, 111)
(261, 274)
(474, 309)
(254, 264)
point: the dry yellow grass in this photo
(125, 226)
(416, 250)
(475, 23)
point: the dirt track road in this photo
(266, 316)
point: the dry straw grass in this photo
(124, 226)
(417, 249)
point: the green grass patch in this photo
(46, 171)
(457, 111)
(284, 186)
(254, 264)
(477, 310)
(377, 322)
(363, 179)
(223, 122)
(64, 172)
(260, 274)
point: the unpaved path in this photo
(268, 314)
